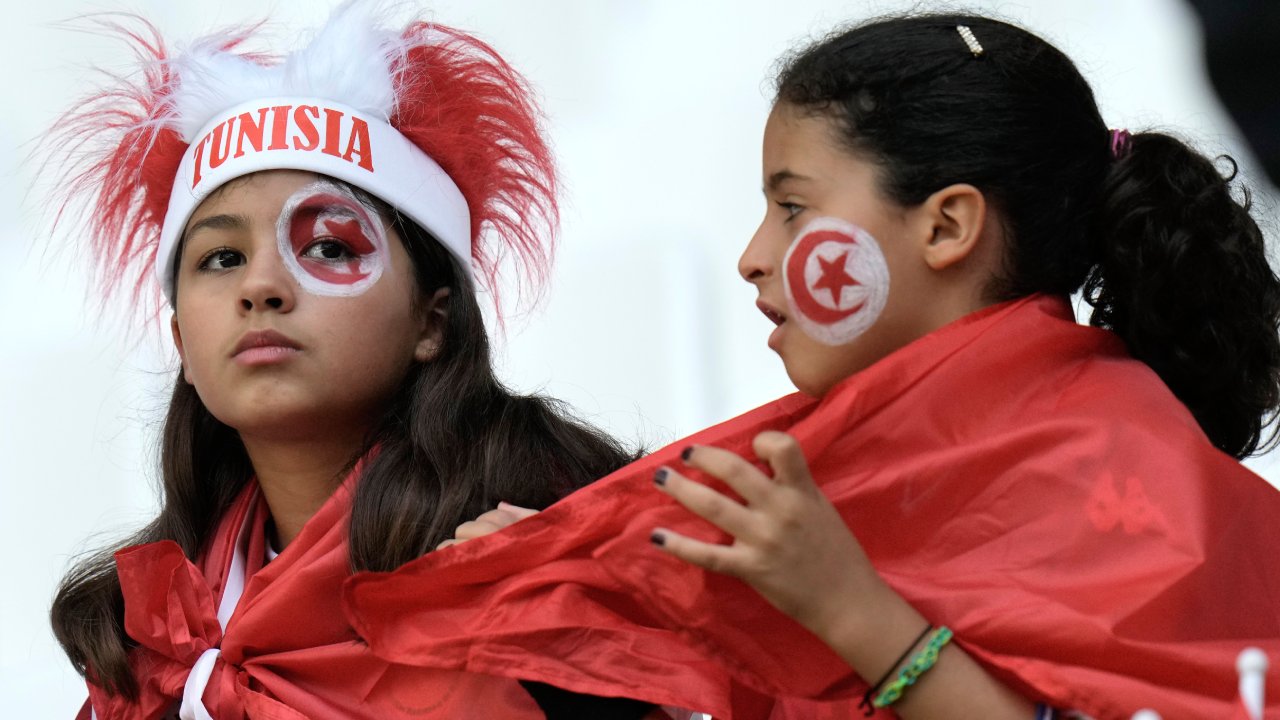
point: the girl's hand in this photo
(490, 522)
(790, 544)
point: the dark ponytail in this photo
(1168, 257)
(1184, 279)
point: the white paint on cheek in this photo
(316, 279)
(836, 280)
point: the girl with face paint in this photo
(318, 225)
(891, 220)
(965, 460)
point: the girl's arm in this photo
(791, 545)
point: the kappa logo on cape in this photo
(836, 280)
(1133, 511)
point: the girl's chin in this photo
(804, 377)
(805, 384)
(815, 368)
(274, 415)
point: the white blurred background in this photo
(656, 109)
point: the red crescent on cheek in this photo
(800, 290)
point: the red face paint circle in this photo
(836, 280)
(331, 241)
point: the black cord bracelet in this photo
(868, 708)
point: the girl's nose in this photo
(267, 284)
(758, 261)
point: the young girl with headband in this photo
(318, 223)
(976, 507)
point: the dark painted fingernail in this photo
(684, 454)
(657, 538)
(660, 477)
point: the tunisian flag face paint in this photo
(332, 241)
(836, 280)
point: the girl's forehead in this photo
(793, 135)
(802, 153)
(264, 191)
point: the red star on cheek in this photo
(834, 277)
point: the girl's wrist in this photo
(870, 628)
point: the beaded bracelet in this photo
(867, 704)
(920, 663)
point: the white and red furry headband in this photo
(428, 119)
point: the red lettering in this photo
(279, 127)
(199, 159)
(217, 153)
(360, 133)
(253, 131)
(307, 127)
(332, 129)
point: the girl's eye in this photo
(221, 259)
(791, 208)
(327, 250)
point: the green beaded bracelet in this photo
(919, 664)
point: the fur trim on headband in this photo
(447, 92)
(350, 60)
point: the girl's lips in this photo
(264, 347)
(776, 317)
(265, 355)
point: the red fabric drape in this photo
(288, 652)
(1014, 476)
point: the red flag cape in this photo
(288, 652)
(1014, 475)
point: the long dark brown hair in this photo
(452, 443)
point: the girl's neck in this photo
(297, 477)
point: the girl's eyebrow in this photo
(218, 222)
(780, 177)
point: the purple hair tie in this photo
(1121, 144)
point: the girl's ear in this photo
(957, 215)
(435, 314)
(182, 353)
